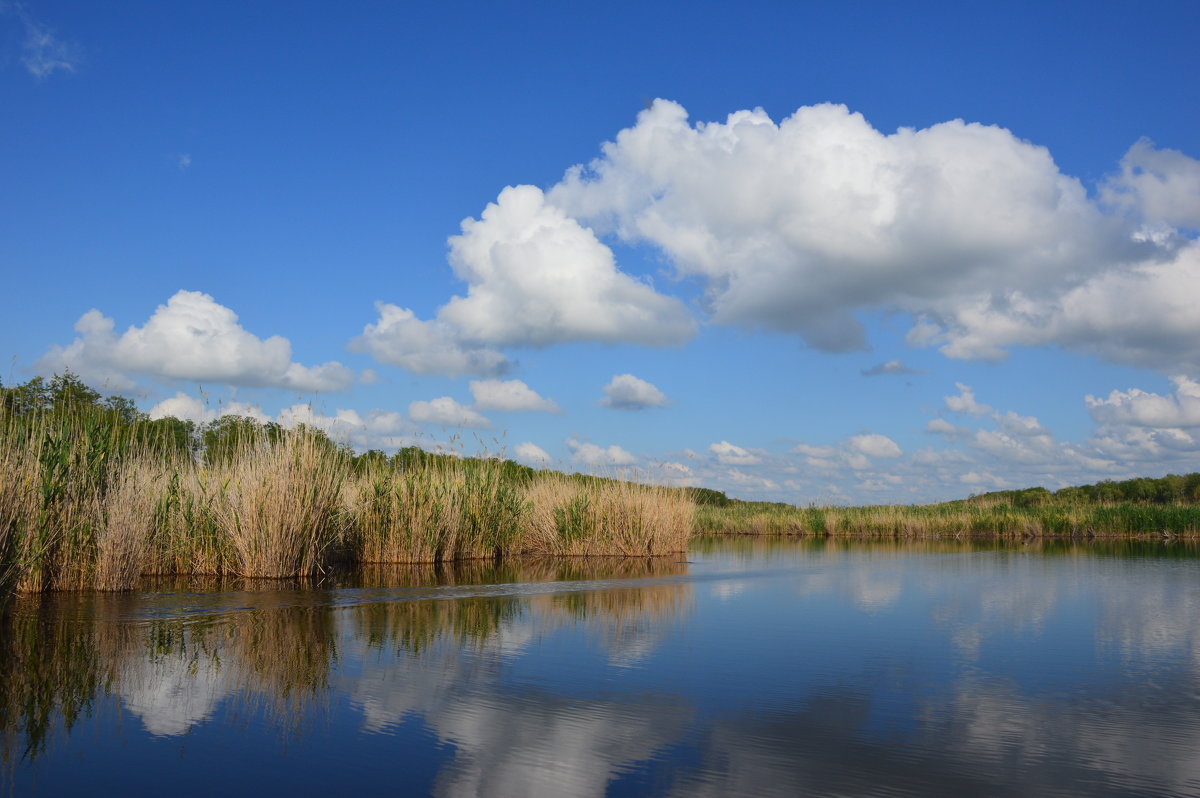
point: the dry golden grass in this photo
(570, 517)
(82, 508)
(123, 543)
(277, 505)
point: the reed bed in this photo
(89, 503)
(573, 518)
(995, 520)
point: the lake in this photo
(749, 667)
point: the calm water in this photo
(755, 668)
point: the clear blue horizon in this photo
(856, 253)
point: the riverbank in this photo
(88, 502)
(962, 519)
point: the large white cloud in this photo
(1143, 409)
(797, 225)
(536, 277)
(192, 338)
(802, 224)
(511, 396)
(793, 225)
(627, 392)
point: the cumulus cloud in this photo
(965, 402)
(731, 454)
(532, 454)
(373, 429)
(510, 395)
(446, 412)
(894, 367)
(793, 225)
(1160, 186)
(189, 408)
(875, 445)
(627, 392)
(537, 277)
(596, 456)
(191, 338)
(797, 225)
(1139, 408)
(401, 339)
(802, 224)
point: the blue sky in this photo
(863, 252)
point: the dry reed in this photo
(576, 518)
(278, 505)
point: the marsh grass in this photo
(574, 517)
(86, 503)
(434, 511)
(966, 519)
(278, 504)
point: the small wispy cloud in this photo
(890, 367)
(184, 161)
(42, 52)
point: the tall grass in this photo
(580, 518)
(434, 510)
(278, 504)
(88, 503)
(956, 519)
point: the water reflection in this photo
(762, 667)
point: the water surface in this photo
(756, 667)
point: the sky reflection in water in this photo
(760, 667)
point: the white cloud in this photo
(191, 338)
(183, 407)
(731, 454)
(1159, 186)
(966, 403)
(894, 367)
(399, 338)
(510, 395)
(374, 429)
(538, 277)
(794, 225)
(592, 455)
(446, 412)
(42, 52)
(183, 162)
(627, 392)
(1139, 408)
(751, 482)
(975, 233)
(532, 454)
(875, 445)
(940, 426)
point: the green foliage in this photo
(709, 497)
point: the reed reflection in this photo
(179, 658)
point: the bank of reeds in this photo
(434, 510)
(87, 503)
(569, 517)
(956, 519)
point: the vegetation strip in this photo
(94, 495)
